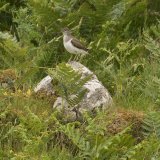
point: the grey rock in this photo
(96, 97)
(62, 105)
(45, 85)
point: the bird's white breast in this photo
(70, 48)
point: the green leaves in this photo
(152, 44)
(123, 36)
(11, 52)
(69, 83)
(146, 149)
(151, 124)
(4, 7)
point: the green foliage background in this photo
(124, 41)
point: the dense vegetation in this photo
(124, 41)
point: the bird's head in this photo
(66, 31)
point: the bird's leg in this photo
(81, 57)
(70, 58)
(75, 58)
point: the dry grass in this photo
(122, 118)
(8, 74)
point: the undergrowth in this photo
(124, 41)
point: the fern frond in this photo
(11, 52)
(152, 44)
(147, 149)
(3, 7)
(151, 124)
(70, 84)
(74, 135)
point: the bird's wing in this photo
(78, 44)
